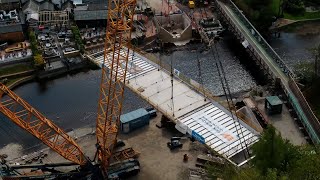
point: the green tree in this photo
(275, 159)
(77, 37)
(308, 165)
(38, 60)
(272, 152)
(231, 172)
(260, 13)
(295, 7)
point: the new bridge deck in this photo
(192, 114)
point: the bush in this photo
(77, 37)
(312, 2)
(33, 43)
(295, 9)
(38, 60)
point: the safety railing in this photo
(167, 67)
(259, 38)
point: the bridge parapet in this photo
(259, 38)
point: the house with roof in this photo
(9, 4)
(91, 14)
(11, 21)
(67, 6)
(12, 33)
(32, 6)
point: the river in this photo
(226, 51)
(295, 48)
(71, 101)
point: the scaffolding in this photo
(54, 17)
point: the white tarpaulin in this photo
(216, 128)
(181, 127)
(219, 131)
(245, 43)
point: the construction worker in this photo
(185, 157)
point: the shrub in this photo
(38, 60)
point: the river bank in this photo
(311, 27)
(294, 45)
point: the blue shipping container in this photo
(134, 119)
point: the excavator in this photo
(114, 68)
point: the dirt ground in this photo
(156, 159)
(285, 124)
(157, 162)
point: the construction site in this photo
(182, 126)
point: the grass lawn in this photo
(15, 69)
(11, 81)
(307, 15)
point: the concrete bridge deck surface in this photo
(188, 109)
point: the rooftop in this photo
(93, 7)
(94, 2)
(34, 6)
(274, 100)
(133, 115)
(9, 1)
(10, 18)
(67, 5)
(10, 28)
(90, 15)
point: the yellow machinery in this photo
(19, 46)
(191, 4)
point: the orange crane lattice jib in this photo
(29, 119)
(118, 36)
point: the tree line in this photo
(274, 159)
(263, 12)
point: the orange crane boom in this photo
(28, 118)
(114, 69)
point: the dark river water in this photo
(239, 78)
(294, 48)
(71, 101)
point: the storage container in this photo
(134, 120)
